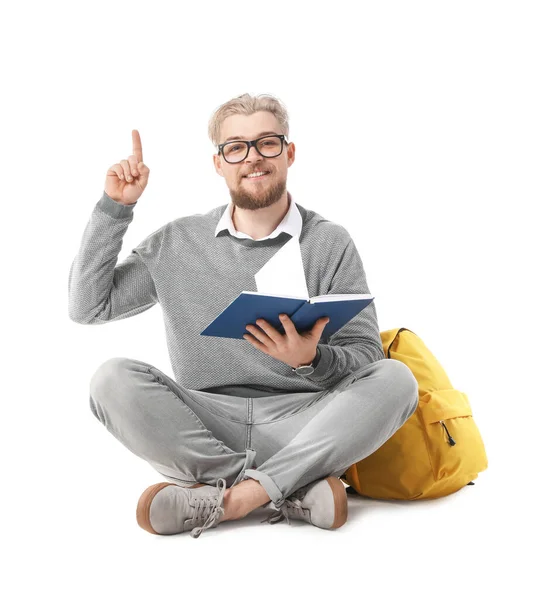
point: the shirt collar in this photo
(291, 223)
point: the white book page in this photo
(340, 297)
(283, 274)
(275, 295)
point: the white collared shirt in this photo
(291, 223)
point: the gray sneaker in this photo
(322, 503)
(165, 508)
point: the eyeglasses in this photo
(268, 146)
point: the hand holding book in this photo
(291, 348)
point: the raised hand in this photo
(127, 179)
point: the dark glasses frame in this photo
(253, 143)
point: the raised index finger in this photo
(137, 146)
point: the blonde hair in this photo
(247, 105)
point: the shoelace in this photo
(292, 506)
(210, 507)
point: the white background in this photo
(417, 126)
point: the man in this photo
(235, 403)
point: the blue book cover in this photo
(247, 307)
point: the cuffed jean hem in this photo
(270, 487)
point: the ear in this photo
(290, 154)
(217, 164)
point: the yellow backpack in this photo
(438, 450)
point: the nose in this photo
(253, 155)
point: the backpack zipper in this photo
(451, 440)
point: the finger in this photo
(126, 168)
(288, 325)
(319, 326)
(255, 343)
(132, 160)
(257, 333)
(117, 169)
(250, 337)
(142, 169)
(271, 332)
(137, 146)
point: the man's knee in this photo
(105, 384)
(107, 374)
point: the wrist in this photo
(312, 362)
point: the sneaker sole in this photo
(340, 502)
(143, 506)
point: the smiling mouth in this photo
(256, 178)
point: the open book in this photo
(304, 312)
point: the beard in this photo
(252, 196)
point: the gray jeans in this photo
(285, 441)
